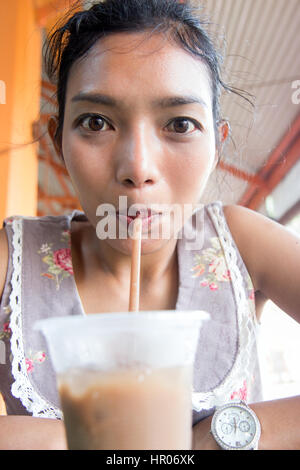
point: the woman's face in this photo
(138, 123)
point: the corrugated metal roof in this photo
(262, 57)
(261, 39)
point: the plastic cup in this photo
(125, 379)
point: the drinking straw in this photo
(134, 296)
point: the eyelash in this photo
(81, 119)
(183, 118)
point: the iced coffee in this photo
(125, 379)
(129, 409)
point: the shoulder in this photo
(248, 229)
(271, 253)
(3, 259)
(241, 219)
(254, 230)
(48, 223)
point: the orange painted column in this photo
(20, 77)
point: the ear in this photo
(223, 134)
(52, 130)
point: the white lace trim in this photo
(246, 325)
(22, 387)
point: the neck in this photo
(155, 264)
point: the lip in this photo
(148, 218)
(143, 213)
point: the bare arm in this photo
(279, 421)
(272, 256)
(27, 433)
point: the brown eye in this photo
(183, 126)
(93, 123)
(96, 123)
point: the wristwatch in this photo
(235, 426)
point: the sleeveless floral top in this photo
(40, 284)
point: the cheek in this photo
(73, 153)
(192, 170)
(84, 162)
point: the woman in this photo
(138, 88)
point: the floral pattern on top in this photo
(240, 394)
(211, 266)
(37, 357)
(33, 358)
(5, 333)
(59, 261)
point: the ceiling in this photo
(260, 167)
(262, 46)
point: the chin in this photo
(148, 246)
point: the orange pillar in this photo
(20, 77)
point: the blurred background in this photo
(260, 167)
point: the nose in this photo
(137, 160)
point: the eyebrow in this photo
(166, 102)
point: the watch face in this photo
(235, 427)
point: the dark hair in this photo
(76, 36)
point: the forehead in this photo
(137, 65)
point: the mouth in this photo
(147, 215)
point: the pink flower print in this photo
(219, 269)
(29, 365)
(40, 356)
(5, 333)
(241, 393)
(199, 269)
(59, 262)
(212, 263)
(37, 357)
(252, 295)
(6, 328)
(63, 259)
(66, 237)
(213, 286)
